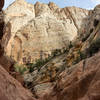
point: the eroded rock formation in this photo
(41, 28)
(1, 4)
(84, 47)
(32, 29)
(10, 89)
(82, 82)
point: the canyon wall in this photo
(37, 30)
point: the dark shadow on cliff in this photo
(5, 34)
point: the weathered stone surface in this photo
(1, 4)
(92, 27)
(37, 30)
(47, 73)
(75, 55)
(11, 89)
(82, 83)
(34, 31)
(42, 89)
(5, 61)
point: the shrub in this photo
(41, 62)
(80, 57)
(70, 45)
(94, 47)
(20, 68)
(31, 67)
(56, 52)
(96, 22)
(91, 30)
(38, 64)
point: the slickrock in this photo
(92, 28)
(80, 83)
(75, 77)
(31, 32)
(5, 61)
(37, 30)
(11, 89)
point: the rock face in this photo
(11, 89)
(37, 30)
(34, 31)
(4, 61)
(75, 75)
(81, 83)
(1, 4)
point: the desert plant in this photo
(56, 52)
(20, 68)
(96, 22)
(91, 30)
(80, 57)
(41, 62)
(70, 45)
(94, 47)
(38, 64)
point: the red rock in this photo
(1, 4)
(82, 84)
(11, 89)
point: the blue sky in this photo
(88, 4)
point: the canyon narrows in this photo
(49, 53)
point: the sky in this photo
(87, 4)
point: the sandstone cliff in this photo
(37, 30)
(81, 83)
(34, 29)
(85, 46)
(10, 88)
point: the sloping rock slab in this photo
(83, 83)
(11, 89)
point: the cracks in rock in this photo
(84, 65)
(48, 27)
(71, 17)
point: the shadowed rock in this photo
(11, 89)
(1, 4)
(79, 84)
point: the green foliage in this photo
(80, 57)
(41, 62)
(94, 47)
(20, 68)
(38, 64)
(96, 22)
(77, 60)
(56, 52)
(91, 30)
(70, 45)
